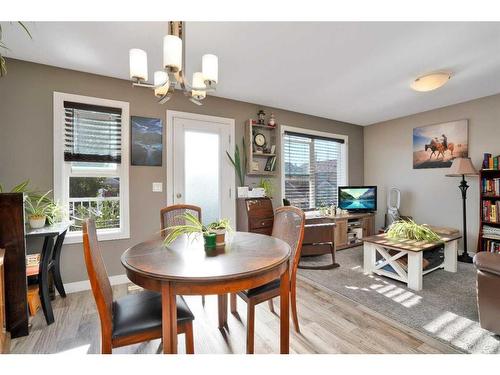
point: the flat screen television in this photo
(358, 198)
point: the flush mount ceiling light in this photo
(173, 72)
(431, 81)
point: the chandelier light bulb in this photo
(138, 65)
(172, 53)
(161, 78)
(198, 82)
(210, 69)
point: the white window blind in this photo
(92, 133)
(313, 169)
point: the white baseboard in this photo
(80, 286)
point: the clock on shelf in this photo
(259, 140)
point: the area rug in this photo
(445, 309)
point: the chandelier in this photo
(173, 72)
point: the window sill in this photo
(110, 235)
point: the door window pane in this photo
(201, 173)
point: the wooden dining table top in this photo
(186, 259)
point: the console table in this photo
(390, 250)
(50, 262)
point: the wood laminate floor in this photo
(330, 323)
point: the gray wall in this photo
(26, 123)
(427, 194)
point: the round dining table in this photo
(186, 267)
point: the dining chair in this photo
(172, 215)
(289, 227)
(131, 319)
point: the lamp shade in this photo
(461, 167)
(161, 78)
(431, 81)
(210, 68)
(198, 83)
(172, 52)
(138, 64)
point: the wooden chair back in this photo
(99, 281)
(289, 227)
(171, 215)
(4, 340)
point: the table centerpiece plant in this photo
(410, 230)
(193, 225)
(220, 228)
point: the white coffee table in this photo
(381, 244)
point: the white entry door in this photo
(198, 169)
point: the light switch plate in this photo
(157, 187)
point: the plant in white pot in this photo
(38, 210)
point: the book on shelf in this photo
(491, 211)
(490, 161)
(270, 164)
(493, 246)
(490, 186)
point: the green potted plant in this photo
(38, 210)
(220, 228)
(192, 225)
(409, 230)
(239, 162)
(267, 185)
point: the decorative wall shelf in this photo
(261, 159)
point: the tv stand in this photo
(349, 230)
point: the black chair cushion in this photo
(141, 312)
(275, 284)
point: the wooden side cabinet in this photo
(368, 225)
(4, 335)
(341, 232)
(255, 215)
(12, 240)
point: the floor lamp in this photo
(462, 167)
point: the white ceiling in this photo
(354, 72)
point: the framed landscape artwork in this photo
(435, 146)
(147, 136)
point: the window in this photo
(314, 165)
(91, 158)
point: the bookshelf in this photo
(260, 160)
(489, 210)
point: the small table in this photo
(50, 262)
(381, 244)
(247, 260)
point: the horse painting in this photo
(437, 145)
(439, 148)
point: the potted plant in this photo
(192, 225)
(38, 210)
(220, 228)
(409, 230)
(267, 185)
(239, 162)
(54, 211)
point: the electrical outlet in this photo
(157, 187)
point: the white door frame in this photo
(171, 115)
